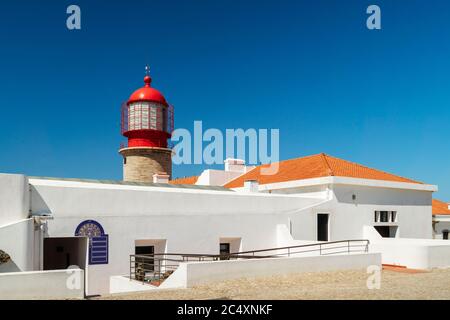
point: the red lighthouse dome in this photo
(147, 93)
(147, 118)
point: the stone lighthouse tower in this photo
(147, 123)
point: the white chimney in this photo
(236, 165)
(161, 178)
(251, 185)
(448, 206)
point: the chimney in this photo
(161, 177)
(251, 185)
(448, 206)
(236, 165)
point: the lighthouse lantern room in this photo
(147, 123)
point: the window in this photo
(224, 251)
(385, 216)
(393, 216)
(146, 115)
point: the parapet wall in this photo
(14, 198)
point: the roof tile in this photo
(315, 166)
(440, 207)
(185, 180)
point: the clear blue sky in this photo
(310, 68)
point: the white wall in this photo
(41, 285)
(14, 198)
(347, 217)
(17, 240)
(122, 284)
(217, 177)
(197, 273)
(192, 221)
(413, 253)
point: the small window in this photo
(224, 251)
(385, 216)
(393, 216)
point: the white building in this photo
(44, 221)
(49, 224)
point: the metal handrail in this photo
(307, 245)
(159, 265)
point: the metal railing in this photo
(323, 248)
(154, 268)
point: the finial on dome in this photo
(147, 78)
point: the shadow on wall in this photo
(6, 264)
(380, 196)
(38, 205)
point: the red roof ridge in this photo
(315, 166)
(329, 170)
(366, 167)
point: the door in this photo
(322, 227)
(144, 264)
(61, 253)
(224, 251)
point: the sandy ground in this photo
(322, 285)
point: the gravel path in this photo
(321, 285)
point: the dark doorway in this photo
(445, 235)
(61, 253)
(225, 251)
(149, 263)
(322, 227)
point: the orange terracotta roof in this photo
(315, 166)
(185, 180)
(440, 207)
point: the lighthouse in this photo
(147, 123)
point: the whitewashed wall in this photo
(413, 253)
(54, 284)
(14, 198)
(192, 221)
(347, 217)
(17, 240)
(207, 272)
